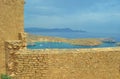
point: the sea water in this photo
(62, 45)
(73, 35)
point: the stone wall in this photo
(32, 66)
(101, 63)
(11, 23)
(85, 64)
(22, 63)
(12, 49)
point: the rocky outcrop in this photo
(118, 44)
(108, 40)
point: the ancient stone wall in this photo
(12, 49)
(101, 63)
(11, 23)
(32, 66)
(22, 63)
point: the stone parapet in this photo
(22, 37)
(97, 63)
(12, 48)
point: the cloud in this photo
(103, 15)
(75, 19)
(111, 6)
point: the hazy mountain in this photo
(34, 29)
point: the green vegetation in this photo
(3, 76)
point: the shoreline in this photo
(84, 50)
(81, 41)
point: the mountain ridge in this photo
(34, 29)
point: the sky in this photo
(88, 15)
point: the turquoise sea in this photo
(61, 45)
(71, 35)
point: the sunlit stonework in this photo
(20, 62)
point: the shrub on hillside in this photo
(5, 76)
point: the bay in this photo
(74, 35)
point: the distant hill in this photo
(33, 29)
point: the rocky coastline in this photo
(82, 41)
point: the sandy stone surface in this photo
(95, 63)
(11, 23)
